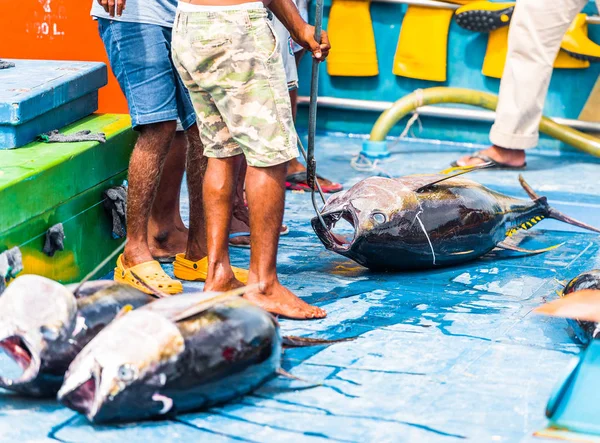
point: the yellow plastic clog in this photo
(151, 273)
(198, 270)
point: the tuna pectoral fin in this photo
(553, 213)
(461, 170)
(291, 341)
(210, 301)
(581, 305)
(509, 247)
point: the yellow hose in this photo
(432, 96)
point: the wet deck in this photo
(441, 356)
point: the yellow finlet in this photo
(422, 49)
(353, 52)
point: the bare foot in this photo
(221, 279)
(509, 157)
(165, 244)
(280, 301)
(295, 166)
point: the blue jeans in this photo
(140, 58)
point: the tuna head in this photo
(36, 315)
(123, 366)
(374, 208)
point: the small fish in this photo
(176, 354)
(425, 221)
(43, 326)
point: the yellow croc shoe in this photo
(198, 270)
(576, 42)
(151, 273)
(484, 16)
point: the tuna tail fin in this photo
(551, 212)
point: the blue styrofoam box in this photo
(37, 96)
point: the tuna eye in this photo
(378, 217)
(126, 373)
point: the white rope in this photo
(363, 164)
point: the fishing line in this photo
(311, 163)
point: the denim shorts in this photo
(140, 58)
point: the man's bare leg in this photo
(196, 169)
(167, 235)
(145, 169)
(265, 190)
(218, 194)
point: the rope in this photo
(362, 163)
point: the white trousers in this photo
(536, 31)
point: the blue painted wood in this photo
(14, 136)
(37, 96)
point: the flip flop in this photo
(151, 273)
(185, 269)
(494, 164)
(285, 231)
(298, 182)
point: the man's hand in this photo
(111, 6)
(306, 38)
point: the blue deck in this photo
(441, 356)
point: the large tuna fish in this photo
(43, 326)
(169, 357)
(180, 353)
(424, 221)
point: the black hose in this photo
(311, 163)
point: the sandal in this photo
(198, 270)
(151, 273)
(298, 182)
(493, 163)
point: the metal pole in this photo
(438, 111)
(311, 163)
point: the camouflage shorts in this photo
(231, 64)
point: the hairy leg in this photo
(196, 169)
(218, 193)
(167, 235)
(145, 169)
(265, 189)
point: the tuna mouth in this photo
(22, 364)
(81, 399)
(340, 231)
